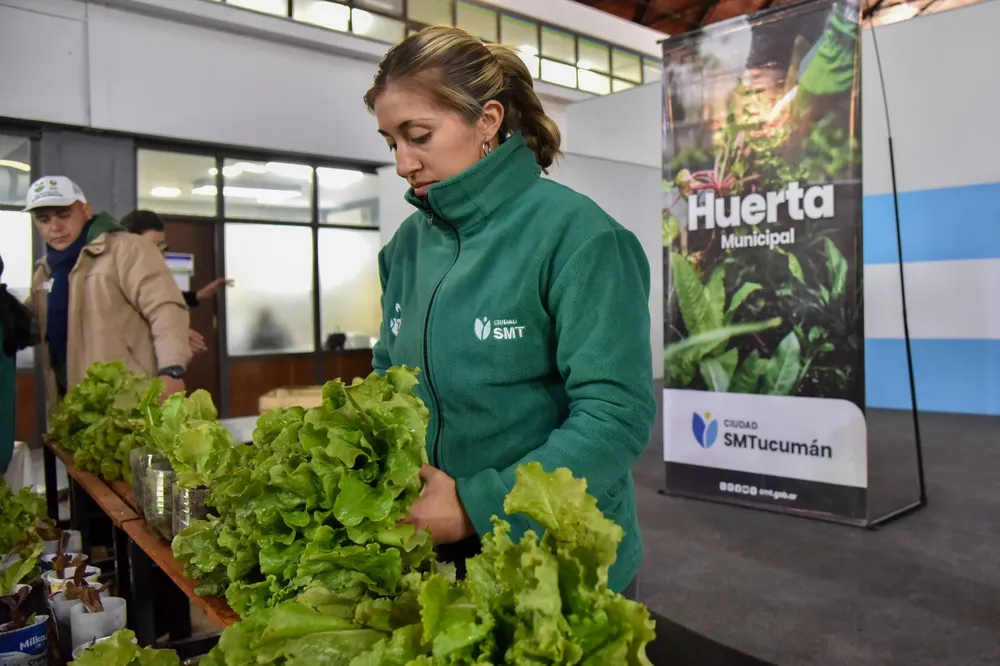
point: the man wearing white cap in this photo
(101, 294)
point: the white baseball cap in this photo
(53, 191)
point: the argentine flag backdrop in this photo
(942, 115)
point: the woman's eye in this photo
(392, 147)
(421, 139)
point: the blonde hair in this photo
(463, 74)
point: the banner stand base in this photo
(809, 515)
(896, 515)
(874, 524)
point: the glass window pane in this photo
(377, 27)
(394, 7)
(557, 72)
(347, 196)
(558, 45)
(617, 85)
(266, 191)
(592, 82)
(431, 12)
(277, 7)
(651, 71)
(18, 265)
(520, 35)
(595, 57)
(323, 13)
(176, 183)
(15, 169)
(626, 66)
(478, 21)
(269, 308)
(350, 291)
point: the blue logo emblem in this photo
(705, 429)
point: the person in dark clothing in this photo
(16, 333)
(150, 225)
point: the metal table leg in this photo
(142, 607)
(79, 513)
(51, 484)
(123, 576)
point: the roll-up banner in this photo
(764, 318)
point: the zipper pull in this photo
(430, 219)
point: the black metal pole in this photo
(902, 279)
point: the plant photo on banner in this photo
(762, 206)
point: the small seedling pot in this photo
(55, 584)
(27, 646)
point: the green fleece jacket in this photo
(526, 307)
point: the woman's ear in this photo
(491, 120)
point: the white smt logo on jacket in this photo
(395, 322)
(499, 329)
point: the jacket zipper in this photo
(435, 452)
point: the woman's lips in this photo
(420, 189)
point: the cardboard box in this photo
(304, 396)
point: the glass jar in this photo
(139, 460)
(160, 478)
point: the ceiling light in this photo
(166, 192)
(338, 178)
(14, 164)
(213, 171)
(234, 170)
(261, 194)
(300, 171)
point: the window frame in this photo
(411, 25)
(220, 154)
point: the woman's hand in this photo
(439, 509)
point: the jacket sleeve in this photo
(380, 353)
(150, 288)
(600, 303)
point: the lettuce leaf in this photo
(540, 601)
(105, 416)
(121, 649)
(314, 501)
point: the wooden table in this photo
(159, 552)
(138, 549)
(110, 502)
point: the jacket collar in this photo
(97, 237)
(475, 194)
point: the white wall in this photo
(623, 127)
(605, 181)
(196, 71)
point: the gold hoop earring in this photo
(486, 148)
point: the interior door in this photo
(198, 238)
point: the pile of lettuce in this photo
(121, 649)
(540, 601)
(105, 416)
(20, 514)
(315, 501)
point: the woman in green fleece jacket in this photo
(524, 304)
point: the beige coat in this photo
(123, 306)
